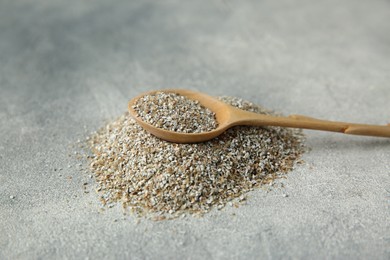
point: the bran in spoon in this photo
(160, 179)
(174, 112)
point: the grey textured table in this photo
(67, 67)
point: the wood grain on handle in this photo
(300, 121)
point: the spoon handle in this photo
(298, 121)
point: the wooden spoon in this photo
(228, 116)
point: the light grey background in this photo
(67, 67)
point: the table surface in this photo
(68, 67)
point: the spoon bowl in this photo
(228, 116)
(222, 113)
